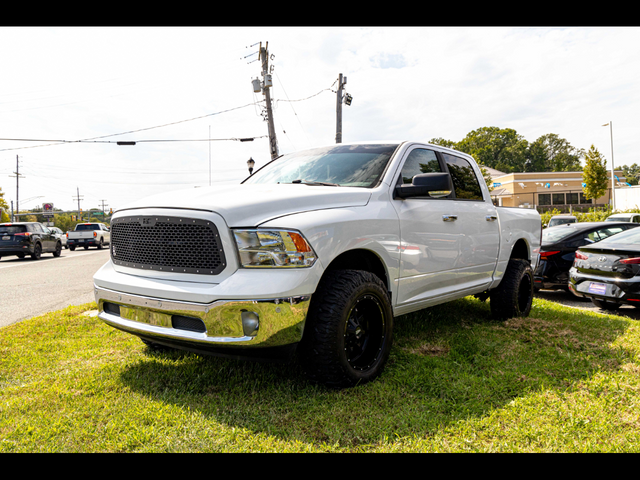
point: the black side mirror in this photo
(434, 185)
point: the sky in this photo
(184, 94)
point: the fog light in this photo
(250, 323)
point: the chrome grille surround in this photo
(167, 244)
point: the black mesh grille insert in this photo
(170, 244)
(188, 323)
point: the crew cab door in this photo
(449, 243)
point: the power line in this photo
(94, 139)
(245, 139)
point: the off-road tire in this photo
(604, 305)
(348, 332)
(514, 296)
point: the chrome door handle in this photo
(449, 218)
(491, 218)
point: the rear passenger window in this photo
(465, 181)
(420, 161)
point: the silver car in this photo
(59, 234)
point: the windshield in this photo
(620, 218)
(87, 227)
(341, 165)
(555, 234)
(561, 221)
(12, 229)
(628, 237)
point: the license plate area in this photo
(599, 289)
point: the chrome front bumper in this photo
(224, 323)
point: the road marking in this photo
(38, 263)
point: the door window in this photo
(465, 181)
(419, 161)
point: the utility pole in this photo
(78, 197)
(17, 175)
(103, 205)
(265, 87)
(340, 98)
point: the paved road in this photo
(34, 287)
(566, 298)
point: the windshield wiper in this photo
(304, 182)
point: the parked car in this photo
(559, 245)
(608, 272)
(314, 255)
(89, 235)
(28, 238)
(59, 235)
(561, 220)
(624, 217)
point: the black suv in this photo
(28, 238)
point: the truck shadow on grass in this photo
(449, 363)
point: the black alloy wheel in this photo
(348, 332)
(364, 332)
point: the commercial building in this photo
(547, 190)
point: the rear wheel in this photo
(37, 252)
(101, 244)
(348, 335)
(72, 248)
(58, 250)
(514, 296)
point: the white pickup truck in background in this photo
(315, 253)
(89, 235)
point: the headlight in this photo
(273, 248)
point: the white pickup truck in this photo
(315, 253)
(89, 235)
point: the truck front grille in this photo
(168, 244)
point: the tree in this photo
(632, 173)
(5, 216)
(442, 142)
(594, 174)
(63, 222)
(550, 153)
(500, 148)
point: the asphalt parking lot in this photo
(565, 298)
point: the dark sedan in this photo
(608, 271)
(559, 245)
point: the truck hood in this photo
(249, 205)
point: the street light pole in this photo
(613, 176)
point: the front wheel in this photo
(514, 296)
(348, 334)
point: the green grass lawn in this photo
(562, 380)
